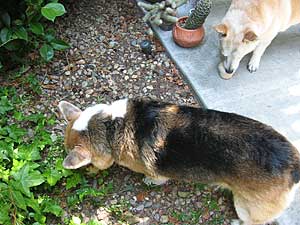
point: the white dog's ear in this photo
(77, 158)
(249, 36)
(221, 29)
(69, 111)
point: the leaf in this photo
(46, 51)
(5, 34)
(28, 152)
(49, 37)
(4, 214)
(5, 18)
(52, 176)
(36, 28)
(6, 150)
(73, 180)
(19, 199)
(52, 10)
(40, 218)
(28, 179)
(33, 203)
(21, 33)
(59, 44)
(15, 132)
(1, 66)
(5, 105)
(59, 167)
(52, 207)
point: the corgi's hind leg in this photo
(256, 56)
(242, 212)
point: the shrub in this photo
(23, 28)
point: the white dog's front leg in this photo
(256, 56)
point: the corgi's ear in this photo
(222, 29)
(69, 111)
(249, 36)
(77, 158)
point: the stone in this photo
(183, 194)
(164, 219)
(81, 62)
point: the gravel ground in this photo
(104, 64)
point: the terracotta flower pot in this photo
(187, 38)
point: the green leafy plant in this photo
(23, 27)
(22, 140)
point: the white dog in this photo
(250, 26)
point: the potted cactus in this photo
(189, 31)
(162, 13)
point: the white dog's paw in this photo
(154, 181)
(253, 65)
(236, 222)
(223, 73)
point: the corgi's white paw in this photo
(155, 181)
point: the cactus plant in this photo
(164, 11)
(198, 15)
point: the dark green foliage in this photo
(23, 28)
(198, 15)
(23, 138)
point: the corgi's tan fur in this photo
(166, 141)
(250, 26)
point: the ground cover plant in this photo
(31, 164)
(24, 28)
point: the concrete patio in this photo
(271, 95)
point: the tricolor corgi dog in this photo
(167, 141)
(250, 26)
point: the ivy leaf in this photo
(15, 132)
(33, 203)
(52, 176)
(36, 28)
(5, 18)
(47, 52)
(5, 105)
(52, 10)
(4, 214)
(73, 180)
(49, 36)
(28, 179)
(21, 33)
(40, 218)
(59, 44)
(52, 207)
(60, 167)
(29, 152)
(6, 150)
(19, 199)
(5, 34)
